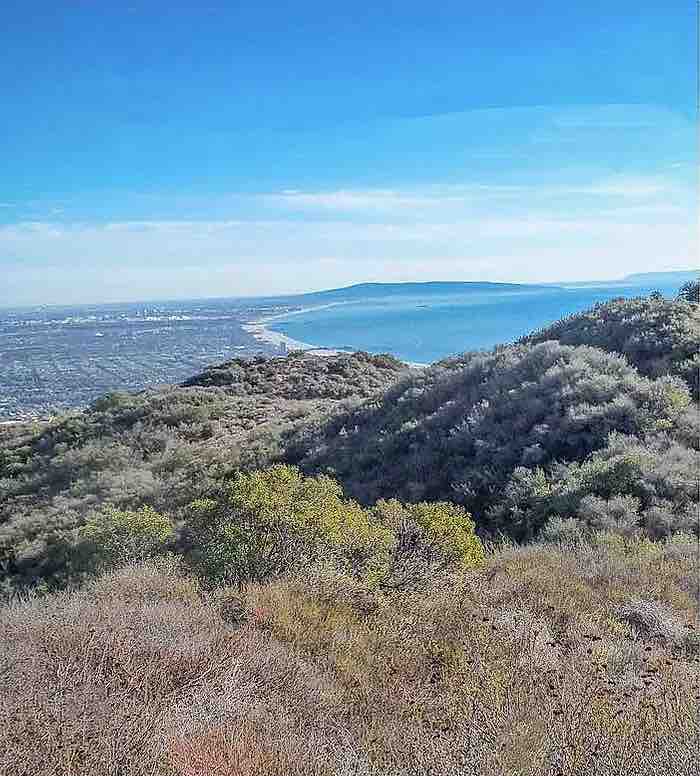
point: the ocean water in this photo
(436, 323)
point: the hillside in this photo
(315, 566)
(504, 433)
(303, 376)
(361, 291)
(161, 448)
(572, 659)
(470, 429)
(655, 335)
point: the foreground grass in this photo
(550, 660)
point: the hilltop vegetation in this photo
(655, 335)
(160, 448)
(304, 376)
(494, 430)
(336, 566)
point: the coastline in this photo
(24, 421)
(259, 330)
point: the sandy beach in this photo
(261, 333)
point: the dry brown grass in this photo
(548, 661)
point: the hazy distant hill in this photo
(378, 290)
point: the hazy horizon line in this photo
(552, 283)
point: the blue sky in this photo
(181, 149)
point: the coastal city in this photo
(54, 359)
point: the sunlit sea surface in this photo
(430, 326)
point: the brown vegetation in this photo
(549, 660)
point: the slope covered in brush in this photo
(304, 375)
(461, 429)
(657, 335)
(160, 448)
(525, 437)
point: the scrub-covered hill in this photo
(473, 429)
(160, 448)
(525, 437)
(304, 375)
(656, 335)
(483, 567)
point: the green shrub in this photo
(628, 485)
(659, 336)
(273, 521)
(566, 531)
(116, 400)
(690, 291)
(121, 536)
(428, 539)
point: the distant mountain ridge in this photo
(431, 287)
(372, 290)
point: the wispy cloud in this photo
(456, 198)
(267, 256)
(627, 187)
(563, 228)
(374, 199)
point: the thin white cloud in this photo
(531, 246)
(293, 240)
(627, 187)
(458, 198)
(374, 199)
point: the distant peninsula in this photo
(374, 290)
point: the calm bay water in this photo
(436, 323)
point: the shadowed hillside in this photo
(463, 429)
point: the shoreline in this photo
(259, 330)
(24, 421)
